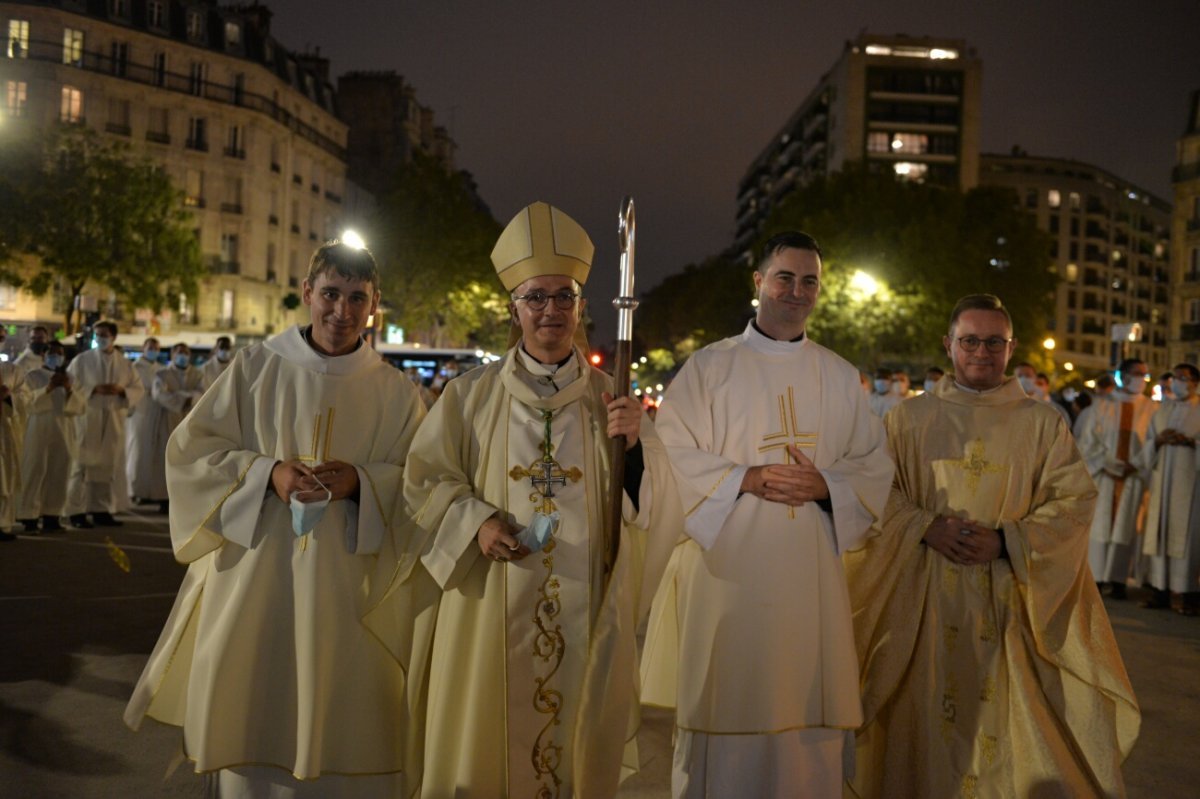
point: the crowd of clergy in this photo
(837, 588)
(84, 438)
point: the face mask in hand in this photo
(539, 531)
(306, 515)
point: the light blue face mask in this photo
(930, 384)
(539, 531)
(182, 361)
(53, 361)
(883, 386)
(306, 515)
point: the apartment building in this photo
(1185, 242)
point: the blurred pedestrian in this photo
(218, 362)
(882, 399)
(932, 375)
(31, 359)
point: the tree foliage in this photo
(925, 247)
(702, 304)
(433, 241)
(92, 212)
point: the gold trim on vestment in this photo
(711, 491)
(757, 732)
(174, 651)
(217, 507)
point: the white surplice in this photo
(97, 483)
(750, 636)
(264, 660)
(140, 426)
(1172, 535)
(172, 393)
(211, 369)
(50, 445)
(880, 404)
(1114, 526)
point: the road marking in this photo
(100, 544)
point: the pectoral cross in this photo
(788, 434)
(546, 473)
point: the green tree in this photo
(924, 247)
(92, 212)
(702, 304)
(433, 240)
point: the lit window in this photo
(878, 49)
(1072, 272)
(878, 142)
(1193, 311)
(194, 188)
(1073, 199)
(156, 14)
(72, 47)
(18, 38)
(1053, 198)
(909, 143)
(8, 297)
(908, 170)
(16, 95)
(233, 34)
(72, 105)
(939, 54)
(195, 25)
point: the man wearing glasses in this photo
(988, 664)
(532, 685)
(1111, 435)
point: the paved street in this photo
(75, 631)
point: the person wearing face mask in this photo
(901, 385)
(883, 399)
(1111, 434)
(284, 483)
(222, 355)
(141, 425)
(14, 399)
(989, 667)
(1037, 386)
(98, 482)
(1171, 539)
(50, 442)
(932, 375)
(173, 390)
(31, 359)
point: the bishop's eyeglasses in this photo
(537, 300)
(993, 344)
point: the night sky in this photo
(670, 101)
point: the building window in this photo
(120, 58)
(233, 34)
(1073, 200)
(193, 191)
(1192, 309)
(233, 196)
(118, 8)
(118, 116)
(229, 254)
(72, 47)
(1072, 272)
(195, 26)
(157, 127)
(18, 38)
(197, 133)
(877, 141)
(160, 69)
(910, 170)
(271, 276)
(196, 78)
(8, 297)
(16, 96)
(156, 14)
(71, 109)
(227, 303)
(234, 142)
(1053, 198)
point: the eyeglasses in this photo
(993, 344)
(537, 300)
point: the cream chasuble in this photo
(1172, 530)
(13, 410)
(49, 446)
(264, 660)
(997, 680)
(533, 687)
(750, 632)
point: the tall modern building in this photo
(248, 129)
(1111, 249)
(906, 105)
(1185, 242)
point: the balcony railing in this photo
(234, 152)
(227, 268)
(200, 145)
(231, 208)
(120, 130)
(160, 138)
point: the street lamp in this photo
(866, 285)
(1049, 343)
(351, 239)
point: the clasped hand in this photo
(1171, 437)
(787, 483)
(497, 540)
(295, 476)
(963, 541)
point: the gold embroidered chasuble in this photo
(996, 680)
(750, 632)
(264, 659)
(533, 669)
(1171, 471)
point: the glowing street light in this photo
(1049, 343)
(864, 283)
(351, 239)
